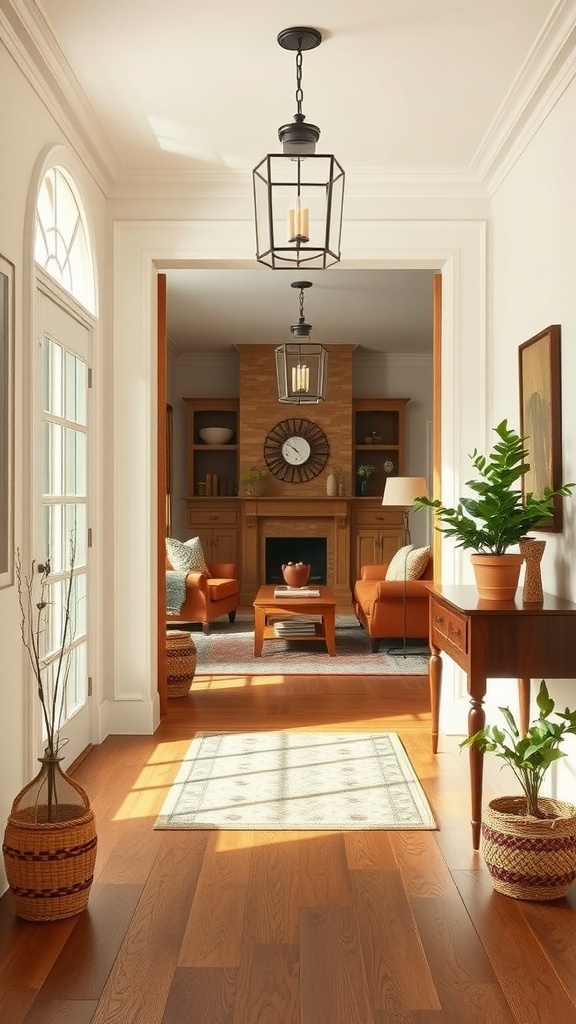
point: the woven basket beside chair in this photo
(180, 662)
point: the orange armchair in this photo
(209, 597)
(379, 604)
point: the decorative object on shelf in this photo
(529, 842)
(501, 516)
(388, 466)
(335, 482)
(216, 435)
(296, 574)
(375, 438)
(368, 440)
(296, 450)
(298, 194)
(401, 492)
(301, 367)
(364, 472)
(50, 838)
(180, 662)
(253, 482)
(532, 551)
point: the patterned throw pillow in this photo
(187, 556)
(408, 563)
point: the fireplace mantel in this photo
(269, 517)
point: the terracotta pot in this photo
(530, 858)
(296, 575)
(497, 576)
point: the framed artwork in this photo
(6, 423)
(541, 415)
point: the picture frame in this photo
(541, 415)
(6, 422)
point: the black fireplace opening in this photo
(310, 550)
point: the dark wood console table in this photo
(496, 639)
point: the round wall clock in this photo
(296, 450)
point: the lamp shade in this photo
(402, 491)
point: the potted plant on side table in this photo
(529, 841)
(50, 837)
(500, 516)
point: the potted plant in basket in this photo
(529, 841)
(50, 838)
(501, 515)
(364, 472)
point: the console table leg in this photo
(435, 678)
(476, 721)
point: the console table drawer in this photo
(212, 517)
(451, 626)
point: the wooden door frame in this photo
(161, 468)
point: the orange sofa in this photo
(379, 604)
(209, 597)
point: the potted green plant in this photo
(500, 515)
(364, 472)
(50, 837)
(253, 481)
(529, 841)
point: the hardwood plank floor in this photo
(288, 927)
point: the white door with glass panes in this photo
(62, 528)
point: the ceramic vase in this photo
(332, 485)
(532, 592)
(296, 575)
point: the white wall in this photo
(532, 275)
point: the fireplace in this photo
(310, 550)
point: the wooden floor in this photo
(288, 928)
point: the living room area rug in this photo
(229, 647)
(322, 781)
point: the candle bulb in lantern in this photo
(299, 224)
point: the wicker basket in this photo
(530, 858)
(50, 863)
(180, 662)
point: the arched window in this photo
(62, 245)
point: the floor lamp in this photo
(401, 492)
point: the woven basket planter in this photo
(530, 858)
(49, 856)
(180, 662)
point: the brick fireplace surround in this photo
(295, 509)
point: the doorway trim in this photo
(455, 248)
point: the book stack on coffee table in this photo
(284, 591)
(297, 626)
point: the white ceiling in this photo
(418, 96)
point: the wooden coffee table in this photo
(269, 609)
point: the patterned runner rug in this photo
(296, 781)
(229, 647)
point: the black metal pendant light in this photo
(298, 194)
(301, 366)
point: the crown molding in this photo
(32, 45)
(547, 71)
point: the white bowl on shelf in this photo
(216, 435)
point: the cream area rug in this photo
(296, 781)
